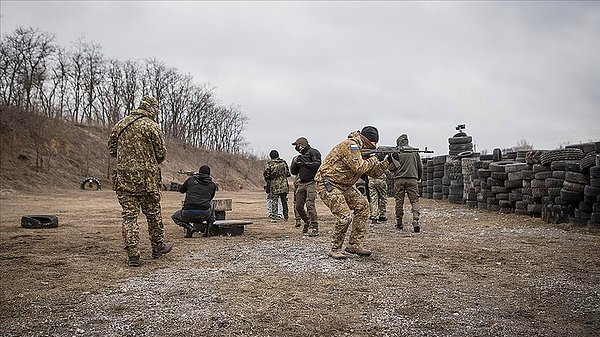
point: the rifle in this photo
(389, 150)
(187, 173)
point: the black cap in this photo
(371, 133)
(274, 154)
(204, 169)
(301, 141)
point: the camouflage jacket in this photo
(137, 144)
(344, 164)
(276, 175)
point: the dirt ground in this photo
(469, 273)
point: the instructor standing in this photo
(138, 146)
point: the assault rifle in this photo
(389, 150)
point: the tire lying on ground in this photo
(39, 221)
(90, 183)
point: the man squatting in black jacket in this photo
(305, 166)
(197, 207)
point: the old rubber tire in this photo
(90, 184)
(39, 221)
(497, 155)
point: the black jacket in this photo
(199, 190)
(306, 164)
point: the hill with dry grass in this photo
(42, 153)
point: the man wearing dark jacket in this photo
(407, 170)
(197, 207)
(305, 166)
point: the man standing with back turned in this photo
(306, 166)
(138, 146)
(335, 181)
(407, 169)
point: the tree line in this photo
(82, 85)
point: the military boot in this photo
(314, 229)
(416, 226)
(156, 253)
(305, 228)
(382, 218)
(358, 250)
(399, 224)
(373, 220)
(336, 254)
(298, 223)
(133, 261)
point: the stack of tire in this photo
(594, 189)
(460, 143)
(514, 184)
(499, 201)
(471, 181)
(539, 191)
(578, 178)
(424, 178)
(438, 174)
(556, 210)
(453, 181)
(526, 192)
(429, 171)
(484, 188)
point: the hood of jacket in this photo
(203, 178)
(402, 140)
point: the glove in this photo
(380, 156)
(396, 156)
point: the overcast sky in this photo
(508, 70)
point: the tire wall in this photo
(559, 186)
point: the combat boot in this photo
(134, 261)
(373, 220)
(298, 223)
(189, 232)
(399, 224)
(156, 253)
(382, 218)
(358, 250)
(337, 254)
(305, 229)
(416, 226)
(314, 229)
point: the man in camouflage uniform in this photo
(305, 166)
(276, 173)
(378, 198)
(137, 144)
(335, 181)
(407, 170)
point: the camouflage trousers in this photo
(350, 208)
(378, 196)
(306, 194)
(150, 206)
(275, 199)
(410, 187)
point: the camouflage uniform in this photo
(340, 170)
(137, 144)
(407, 170)
(277, 172)
(378, 196)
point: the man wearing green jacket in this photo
(407, 170)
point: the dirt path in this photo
(469, 272)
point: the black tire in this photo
(497, 155)
(591, 191)
(460, 140)
(570, 196)
(595, 171)
(460, 134)
(39, 221)
(562, 154)
(595, 182)
(499, 166)
(90, 184)
(576, 177)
